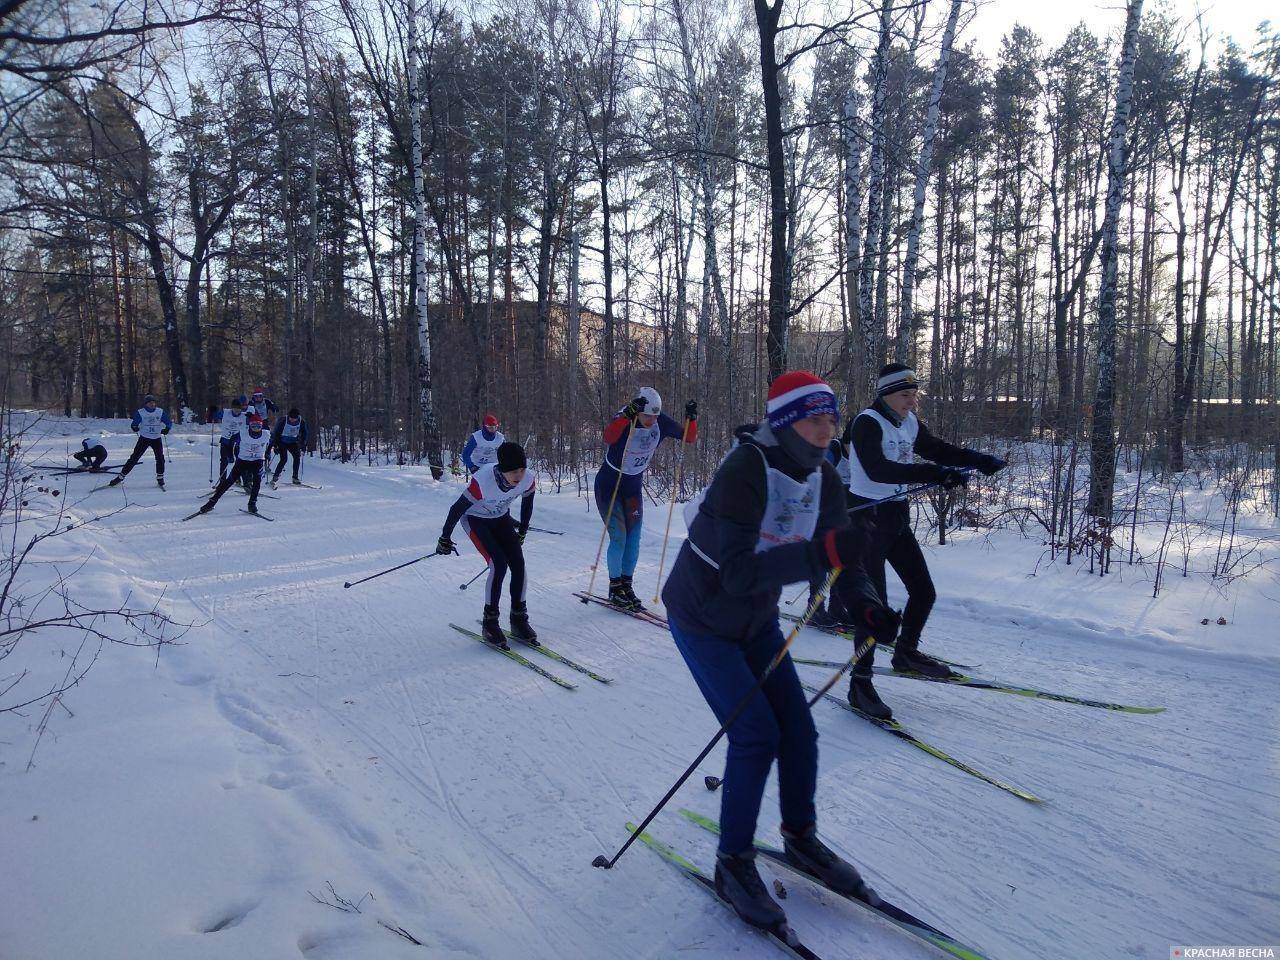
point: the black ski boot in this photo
(296, 482)
(738, 883)
(520, 628)
(617, 596)
(633, 602)
(253, 508)
(206, 507)
(864, 699)
(821, 618)
(160, 482)
(810, 854)
(908, 659)
(491, 629)
(115, 481)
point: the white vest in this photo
(290, 431)
(251, 447)
(152, 422)
(640, 448)
(898, 444)
(790, 513)
(493, 501)
(486, 450)
(232, 423)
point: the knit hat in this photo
(652, 401)
(511, 457)
(797, 395)
(490, 422)
(895, 377)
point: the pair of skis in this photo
(260, 516)
(540, 648)
(644, 616)
(784, 936)
(837, 632)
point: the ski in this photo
(558, 657)
(835, 632)
(103, 487)
(554, 533)
(960, 680)
(190, 516)
(783, 935)
(899, 731)
(242, 493)
(260, 516)
(512, 655)
(891, 912)
(644, 616)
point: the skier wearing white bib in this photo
(482, 446)
(483, 512)
(232, 420)
(289, 439)
(884, 440)
(251, 450)
(150, 423)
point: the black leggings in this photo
(92, 460)
(284, 450)
(891, 540)
(156, 446)
(250, 471)
(497, 542)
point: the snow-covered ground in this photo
(191, 805)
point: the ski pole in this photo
(606, 862)
(608, 517)
(554, 533)
(474, 579)
(671, 509)
(352, 583)
(212, 442)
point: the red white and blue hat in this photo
(797, 395)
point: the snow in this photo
(191, 804)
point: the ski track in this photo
(1156, 829)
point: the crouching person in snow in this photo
(251, 448)
(774, 514)
(482, 510)
(150, 423)
(92, 455)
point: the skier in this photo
(263, 407)
(774, 514)
(150, 423)
(833, 613)
(289, 439)
(232, 420)
(637, 429)
(250, 449)
(482, 446)
(92, 456)
(883, 439)
(482, 510)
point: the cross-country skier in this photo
(92, 455)
(636, 430)
(150, 423)
(884, 439)
(774, 514)
(251, 450)
(482, 510)
(833, 613)
(289, 439)
(482, 446)
(263, 407)
(233, 421)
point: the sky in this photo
(1052, 19)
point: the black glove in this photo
(691, 410)
(445, 545)
(133, 427)
(881, 622)
(951, 477)
(843, 547)
(521, 533)
(990, 465)
(164, 430)
(634, 408)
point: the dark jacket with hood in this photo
(740, 599)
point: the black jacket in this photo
(740, 599)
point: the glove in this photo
(882, 623)
(950, 477)
(521, 533)
(990, 465)
(164, 430)
(843, 547)
(691, 410)
(634, 408)
(133, 427)
(445, 545)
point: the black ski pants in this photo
(92, 459)
(891, 540)
(248, 471)
(498, 543)
(285, 450)
(156, 446)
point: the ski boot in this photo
(633, 602)
(738, 883)
(275, 483)
(864, 699)
(160, 482)
(808, 853)
(297, 482)
(491, 630)
(908, 659)
(253, 507)
(206, 507)
(115, 481)
(520, 628)
(821, 618)
(617, 596)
